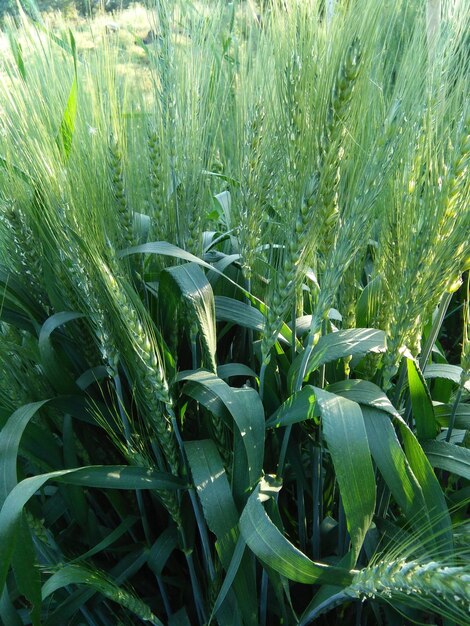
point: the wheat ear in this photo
(444, 587)
(118, 187)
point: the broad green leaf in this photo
(161, 550)
(421, 401)
(432, 492)
(232, 571)
(113, 536)
(52, 365)
(230, 370)
(74, 495)
(196, 292)
(26, 570)
(8, 613)
(207, 398)
(304, 322)
(4, 163)
(368, 303)
(120, 573)
(443, 413)
(345, 434)
(165, 249)
(364, 392)
(266, 541)
(446, 371)
(67, 125)
(340, 344)
(180, 618)
(225, 201)
(119, 477)
(221, 515)
(10, 437)
(17, 300)
(299, 407)
(393, 465)
(449, 457)
(240, 313)
(345, 343)
(91, 376)
(104, 477)
(328, 596)
(247, 411)
(18, 55)
(98, 582)
(251, 426)
(212, 486)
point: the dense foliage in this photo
(66, 7)
(223, 396)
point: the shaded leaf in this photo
(53, 367)
(449, 457)
(111, 477)
(272, 548)
(247, 411)
(446, 371)
(393, 465)
(196, 291)
(340, 344)
(345, 434)
(79, 575)
(364, 392)
(299, 407)
(421, 401)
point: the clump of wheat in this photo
(27, 249)
(431, 584)
(287, 277)
(465, 357)
(432, 266)
(118, 187)
(158, 184)
(331, 150)
(253, 203)
(152, 384)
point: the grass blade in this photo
(345, 433)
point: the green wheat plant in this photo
(234, 317)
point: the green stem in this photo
(122, 413)
(193, 334)
(428, 346)
(201, 524)
(301, 519)
(436, 327)
(249, 333)
(294, 326)
(317, 493)
(196, 589)
(454, 413)
(298, 386)
(305, 359)
(140, 502)
(283, 452)
(263, 599)
(399, 386)
(262, 376)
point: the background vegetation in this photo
(234, 316)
